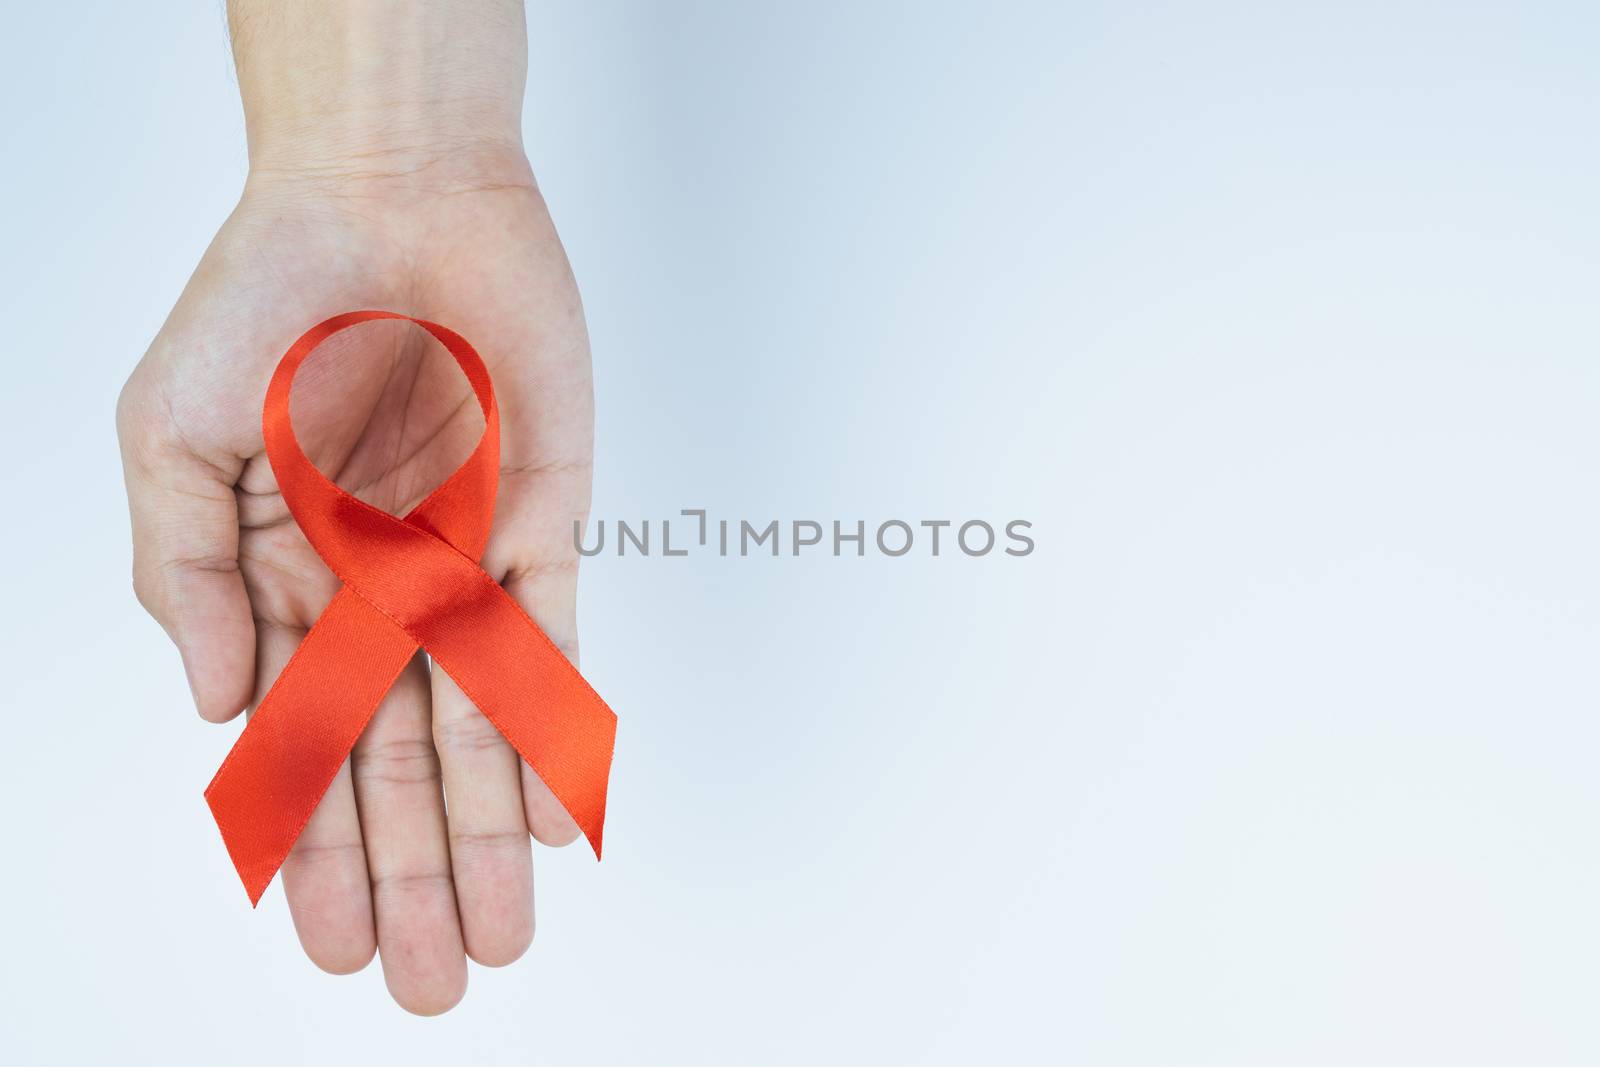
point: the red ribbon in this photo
(407, 583)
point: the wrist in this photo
(381, 88)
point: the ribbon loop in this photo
(408, 582)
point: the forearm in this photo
(378, 85)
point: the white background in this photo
(1277, 320)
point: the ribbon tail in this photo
(294, 744)
(532, 694)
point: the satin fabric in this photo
(408, 582)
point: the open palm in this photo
(383, 864)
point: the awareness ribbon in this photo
(408, 582)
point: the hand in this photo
(461, 237)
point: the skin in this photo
(373, 187)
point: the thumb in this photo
(186, 553)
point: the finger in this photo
(325, 875)
(186, 554)
(397, 788)
(549, 595)
(490, 855)
(326, 882)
